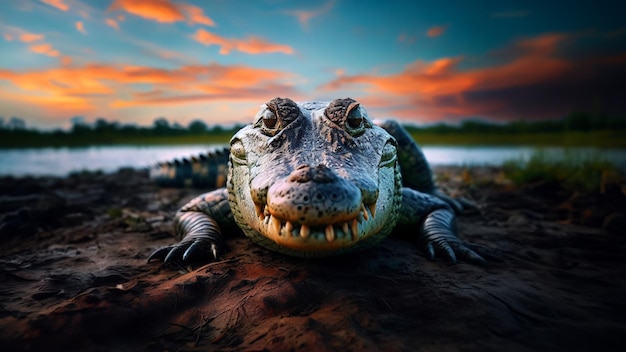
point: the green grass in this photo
(586, 174)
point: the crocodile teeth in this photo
(372, 208)
(330, 233)
(259, 211)
(355, 229)
(272, 229)
(288, 228)
(365, 215)
(305, 231)
(346, 228)
(275, 224)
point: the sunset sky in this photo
(422, 61)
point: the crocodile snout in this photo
(314, 196)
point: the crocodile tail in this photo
(207, 170)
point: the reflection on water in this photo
(62, 161)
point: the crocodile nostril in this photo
(305, 173)
(314, 196)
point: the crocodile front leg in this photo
(197, 226)
(437, 223)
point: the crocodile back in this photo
(208, 170)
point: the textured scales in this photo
(313, 179)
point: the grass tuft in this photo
(581, 173)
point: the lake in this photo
(62, 161)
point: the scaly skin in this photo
(317, 179)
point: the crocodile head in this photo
(314, 179)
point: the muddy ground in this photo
(74, 276)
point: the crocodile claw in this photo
(202, 241)
(190, 250)
(439, 239)
(450, 248)
(159, 253)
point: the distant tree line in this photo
(577, 121)
(160, 127)
(14, 132)
(14, 123)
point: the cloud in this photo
(30, 37)
(44, 49)
(436, 31)
(35, 41)
(304, 16)
(80, 27)
(251, 45)
(195, 14)
(59, 4)
(98, 88)
(163, 11)
(535, 81)
(112, 23)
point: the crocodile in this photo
(314, 179)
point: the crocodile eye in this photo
(277, 114)
(270, 120)
(355, 123)
(355, 119)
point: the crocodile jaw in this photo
(318, 237)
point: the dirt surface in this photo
(74, 276)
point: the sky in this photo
(132, 61)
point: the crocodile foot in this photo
(439, 239)
(190, 249)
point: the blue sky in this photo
(419, 61)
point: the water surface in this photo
(62, 161)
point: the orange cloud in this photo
(8, 37)
(194, 14)
(80, 27)
(109, 87)
(44, 48)
(59, 4)
(252, 45)
(305, 16)
(436, 31)
(112, 23)
(440, 89)
(418, 78)
(30, 37)
(544, 44)
(163, 11)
